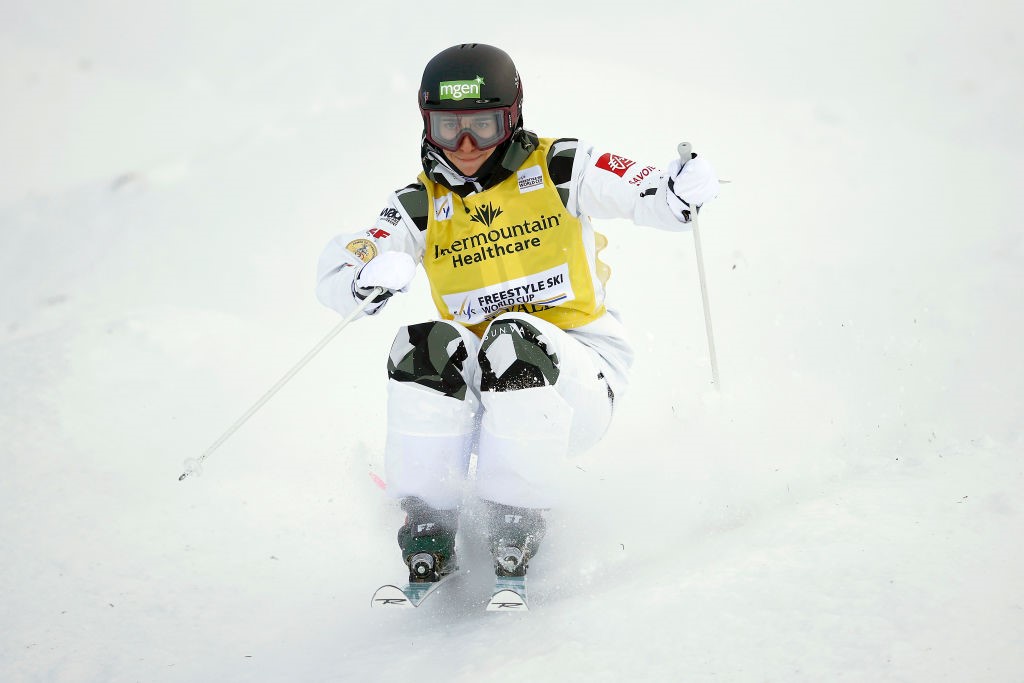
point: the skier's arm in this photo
(612, 186)
(384, 255)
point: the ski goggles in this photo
(486, 127)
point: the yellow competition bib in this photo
(513, 247)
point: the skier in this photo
(525, 360)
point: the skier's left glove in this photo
(690, 185)
(393, 271)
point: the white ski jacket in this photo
(590, 183)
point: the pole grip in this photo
(685, 150)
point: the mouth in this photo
(468, 160)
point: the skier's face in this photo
(467, 157)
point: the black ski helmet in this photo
(472, 76)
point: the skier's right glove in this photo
(393, 271)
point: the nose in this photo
(466, 144)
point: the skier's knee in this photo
(430, 354)
(514, 355)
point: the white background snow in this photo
(847, 507)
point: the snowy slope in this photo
(847, 507)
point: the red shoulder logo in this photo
(614, 163)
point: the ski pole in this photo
(194, 465)
(684, 150)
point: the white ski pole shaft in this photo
(684, 156)
(193, 465)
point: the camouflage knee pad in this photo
(513, 356)
(431, 354)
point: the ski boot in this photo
(515, 534)
(427, 540)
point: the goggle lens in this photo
(486, 127)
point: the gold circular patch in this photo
(363, 249)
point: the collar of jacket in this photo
(504, 162)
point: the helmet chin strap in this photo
(493, 171)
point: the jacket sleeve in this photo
(397, 228)
(613, 186)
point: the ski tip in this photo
(507, 601)
(380, 483)
(391, 597)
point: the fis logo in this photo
(378, 233)
(443, 207)
(466, 310)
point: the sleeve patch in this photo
(364, 249)
(615, 164)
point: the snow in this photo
(846, 507)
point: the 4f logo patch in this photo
(614, 163)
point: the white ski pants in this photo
(532, 396)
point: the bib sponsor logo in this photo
(363, 249)
(459, 90)
(378, 233)
(497, 242)
(485, 214)
(533, 292)
(614, 163)
(443, 207)
(530, 179)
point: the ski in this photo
(411, 594)
(509, 594)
